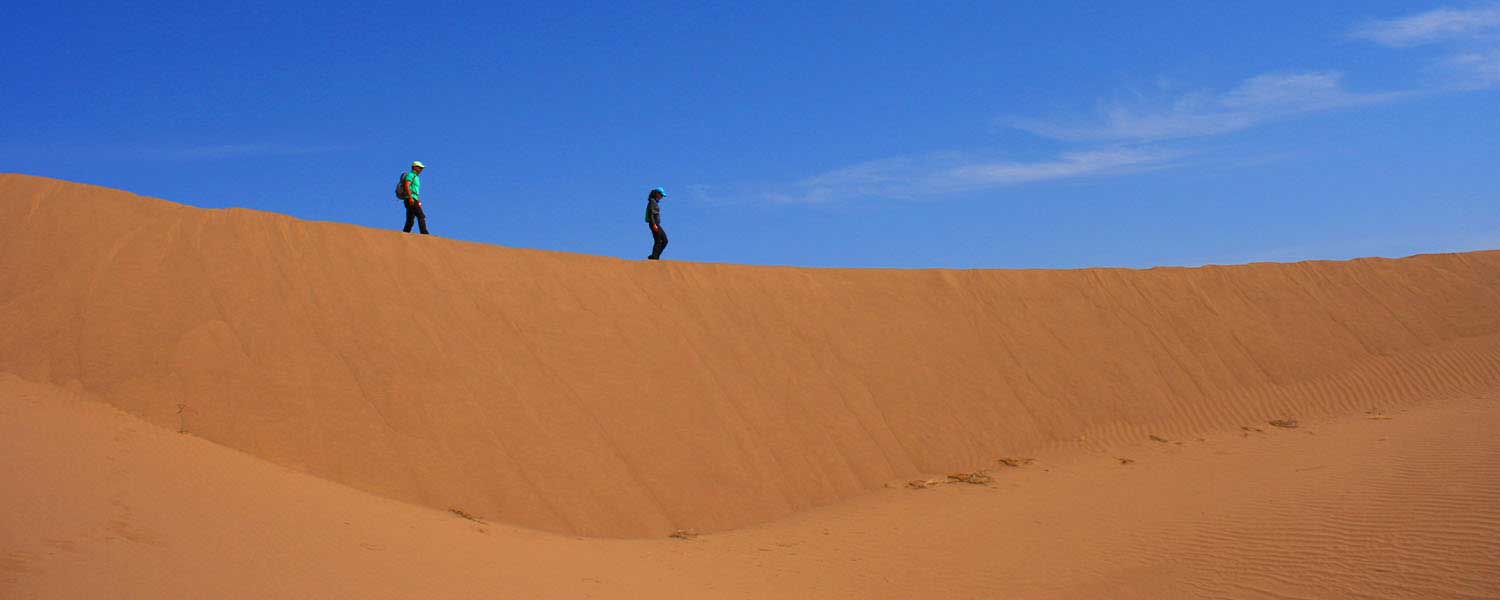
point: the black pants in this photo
(414, 211)
(660, 235)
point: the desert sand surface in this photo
(1400, 504)
(229, 403)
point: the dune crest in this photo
(615, 398)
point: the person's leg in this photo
(660, 235)
(422, 219)
(410, 216)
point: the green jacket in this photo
(414, 183)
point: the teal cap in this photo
(659, 191)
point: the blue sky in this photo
(862, 134)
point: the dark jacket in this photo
(653, 212)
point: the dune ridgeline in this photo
(614, 398)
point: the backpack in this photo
(401, 187)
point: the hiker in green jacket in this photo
(411, 192)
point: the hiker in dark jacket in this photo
(653, 218)
(411, 192)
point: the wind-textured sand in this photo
(422, 417)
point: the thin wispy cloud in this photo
(1126, 127)
(916, 178)
(1441, 25)
(1470, 36)
(254, 150)
(1259, 99)
(1473, 32)
(169, 152)
(1477, 69)
(1069, 166)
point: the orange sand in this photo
(777, 412)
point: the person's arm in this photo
(406, 185)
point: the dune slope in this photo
(613, 398)
(100, 505)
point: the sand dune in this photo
(602, 397)
(1400, 506)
